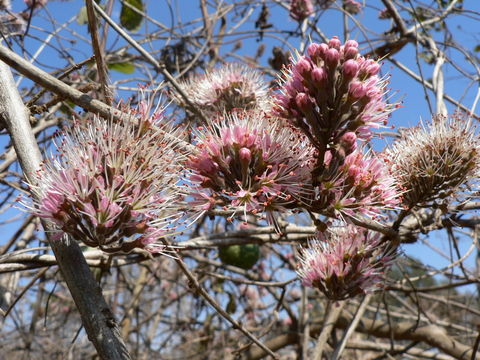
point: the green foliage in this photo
(130, 19)
(242, 256)
(122, 67)
(82, 17)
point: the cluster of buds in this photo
(301, 9)
(436, 161)
(113, 184)
(233, 86)
(335, 96)
(331, 91)
(344, 262)
(361, 185)
(251, 161)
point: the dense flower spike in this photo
(344, 262)
(331, 91)
(436, 160)
(251, 161)
(233, 86)
(361, 185)
(300, 9)
(113, 185)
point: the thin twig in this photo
(98, 51)
(150, 59)
(333, 312)
(351, 329)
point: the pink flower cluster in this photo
(344, 262)
(251, 161)
(333, 90)
(362, 185)
(112, 186)
(233, 86)
(335, 96)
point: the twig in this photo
(97, 50)
(25, 289)
(150, 59)
(58, 87)
(356, 319)
(332, 315)
(430, 86)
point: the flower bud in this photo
(321, 50)
(302, 66)
(349, 141)
(352, 7)
(350, 52)
(334, 43)
(332, 56)
(351, 44)
(357, 89)
(245, 155)
(350, 68)
(373, 68)
(313, 50)
(282, 100)
(303, 102)
(318, 76)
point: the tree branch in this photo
(96, 316)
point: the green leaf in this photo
(130, 19)
(82, 17)
(123, 67)
(242, 256)
(477, 48)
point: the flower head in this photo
(250, 161)
(344, 262)
(300, 9)
(233, 86)
(113, 184)
(436, 160)
(361, 185)
(333, 90)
